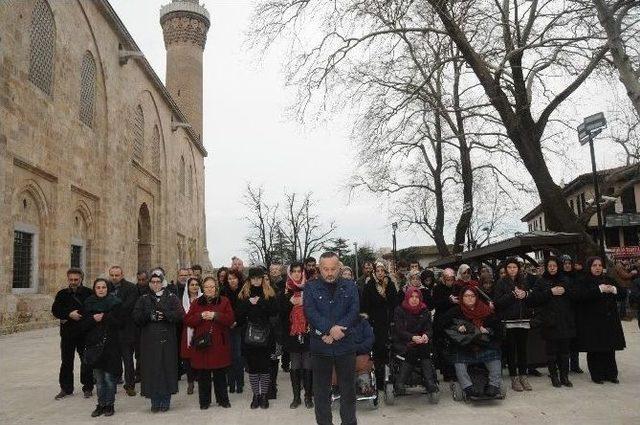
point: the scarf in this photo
(415, 310)
(186, 304)
(297, 319)
(477, 313)
(381, 287)
(94, 304)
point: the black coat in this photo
(128, 294)
(597, 321)
(554, 313)
(110, 325)
(493, 323)
(263, 313)
(407, 325)
(158, 342)
(508, 307)
(291, 343)
(65, 302)
(441, 303)
(379, 310)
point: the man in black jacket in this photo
(128, 294)
(68, 307)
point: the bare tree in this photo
(528, 56)
(264, 226)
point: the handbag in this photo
(93, 353)
(256, 335)
(204, 341)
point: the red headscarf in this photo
(409, 291)
(297, 318)
(478, 312)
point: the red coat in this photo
(218, 355)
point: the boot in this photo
(255, 403)
(553, 374)
(97, 412)
(516, 385)
(264, 401)
(564, 371)
(307, 382)
(405, 372)
(296, 381)
(272, 392)
(427, 372)
(525, 383)
(108, 410)
(190, 388)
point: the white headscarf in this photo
(463, 268)
(186, 304)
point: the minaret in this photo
(185, 24)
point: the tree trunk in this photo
(621, 60)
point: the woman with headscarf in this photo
(193, 292)
(552, 295)
(257, 311)
(510, 299)
(101, 322)
(347, 273)
(210, 316)
(569, 273)
(414, 281)
(464, 279)
(413, 333)
(473, 312)
(235, 373)
(379, 300)
(296, 335)
(444, 298)
(599, 330)
(158, 313)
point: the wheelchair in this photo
(366, 387)
(480, 379)
(414, 383)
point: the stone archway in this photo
(144, 238)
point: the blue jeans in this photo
(105, 387)
(495, 374)
(235, 374)
(160, 401)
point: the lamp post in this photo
(355, 250)
(587, 131)
(394, 226)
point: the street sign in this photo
(591, 127)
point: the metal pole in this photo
(355, 246)
(596, 188)
(395, 257)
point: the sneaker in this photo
(87, 394)
(492, 391)
(516, 385)
(62, 394)
(525, 383)
(99, 410)
(108, 411)
(469, 392)
(131, 391)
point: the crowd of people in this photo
(328, 330)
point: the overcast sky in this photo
(250, 140)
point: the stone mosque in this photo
(101, 163)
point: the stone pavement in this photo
(29, 364)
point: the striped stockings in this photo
(259, 382)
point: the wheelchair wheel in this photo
(456, 392)
(434, 398)
(389, 395)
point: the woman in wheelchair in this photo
(474, 332)
(411, 338)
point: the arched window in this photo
(138, 134)
(87, 89)
(43, 35)
(181, 176)
(155, 154)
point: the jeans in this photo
(160, 401)
(235, 373)
(345, 366)
(105, 387)
(68, 348)
(495, 374)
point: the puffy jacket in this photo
(326, 306)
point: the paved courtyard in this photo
(29, 370)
